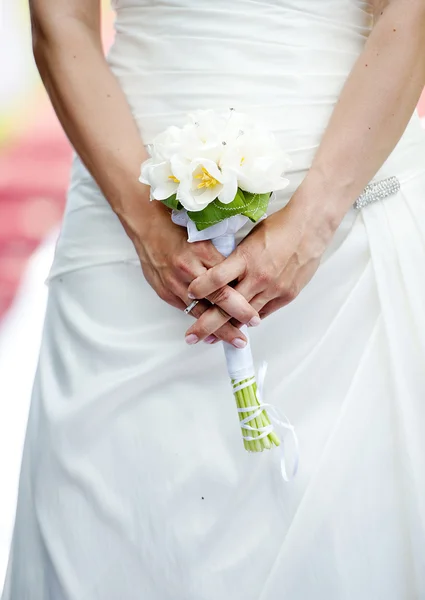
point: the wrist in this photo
(323, 199)
(139, 215)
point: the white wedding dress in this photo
(135, 483)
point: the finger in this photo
(226, 333)
(212, 321)
(266, 304)
(260, 300)
(199, 257)
(209, 255)
(218, 276)
(235, 305)
(248, 288)
(199, 309)
(272, 307)
(187, 268)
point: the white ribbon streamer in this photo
(279, 420)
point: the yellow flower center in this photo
(207, 180)
(242, 160)
(173, 178)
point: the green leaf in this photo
(256, 205)
(250, 205)
(172, 203)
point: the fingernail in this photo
(191, 339)
(254, 322)
(191, 296)
(210, 339)
(238, 343)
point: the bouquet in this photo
(216, 173)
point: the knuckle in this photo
(168, 281)
(215, 277)
(280, 288)
(222, 313)
(277, 287)
(247, 315)
(289, 292)
(208, 253)
(245, 254)
(180, 263)
(294, 291)
(243, 312)
(225, 333)
(195, 288)
(165, 295)
(202, 330)
(221, 296)
(264, 277)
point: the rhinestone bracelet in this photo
(377, 190)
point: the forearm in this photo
(95, 115)
(374, 108)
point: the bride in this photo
(134, 481)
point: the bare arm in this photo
(96, 117)
(374, 108)
(85, 95)
(283, 252)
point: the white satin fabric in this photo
(134, 482)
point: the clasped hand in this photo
(169, 263)
(270, 267)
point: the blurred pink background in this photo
(34, 153)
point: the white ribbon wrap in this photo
(239, 361)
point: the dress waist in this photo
(284, 66)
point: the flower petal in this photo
(209, 195)
(230, 187)
(145, 171)
(210, 166)
(279, 184)
(165, 190)
(180, 167)
(262, 186)
(198, 202)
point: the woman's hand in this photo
(272, 264)
(169, 263)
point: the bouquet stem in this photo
(247, 398)
(240, 403)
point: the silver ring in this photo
(191, 307)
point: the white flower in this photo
(168, 143)
(210, 157)
(160, 175)
(202, 182)
(203, 136)
(258, 162)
